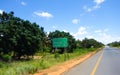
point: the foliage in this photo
(114, 44)
(6, 57)
(89, 43)
(1, 64)
(62, 34)
(30, 67)
(19, 37)
(56, 55)
(78, 44)
(22, 39)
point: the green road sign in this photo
(59, 42)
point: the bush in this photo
(56, 55)
(6, 57)
(1, 64)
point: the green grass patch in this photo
(32, 66)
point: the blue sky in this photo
(98, 19)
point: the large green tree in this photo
(19, 37)
(88, 43)
(115, 44)
(62, 34)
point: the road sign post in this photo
(60, 42)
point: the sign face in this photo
(59, 42)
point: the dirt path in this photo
(59, 69)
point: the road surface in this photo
(105, 62)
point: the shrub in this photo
(6, 57)
(56, 55)
(1, 64)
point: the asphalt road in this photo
(105, 62)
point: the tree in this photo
(62, 34)
(88, 43)
(19, 37)
(78, 43)
(114, 44)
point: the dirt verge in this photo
(61, 68)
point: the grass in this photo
(32, 66)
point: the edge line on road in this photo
(97, 64)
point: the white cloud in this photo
(103, 36)
(98, 31)
(101, 31)
(87, 9)
(98, 1)
(82, 14)
(90, 36)
(106, 38)
(65, 30)
(75, 21)
(23, 3)
(90, 9)
(54, 27)
(106, 29)
(1, 11)
(80, 33)
(44, 14)
(96, 6)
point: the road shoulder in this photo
(63, 67)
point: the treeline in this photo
(20, 38)
(89, 43)
(114, 44)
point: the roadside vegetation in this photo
(26, 48)
(115, 44)
(26, 67)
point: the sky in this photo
(98, 19)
